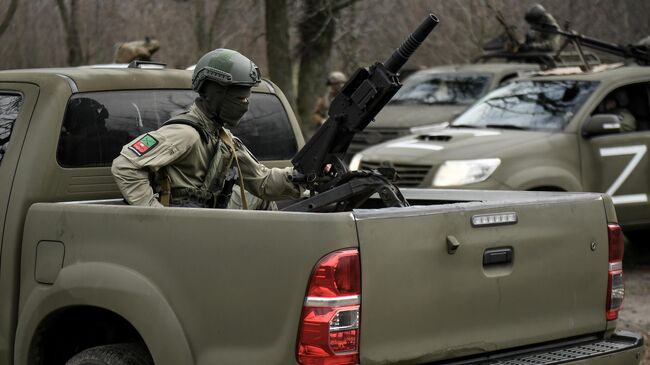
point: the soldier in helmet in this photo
(540, 41)
(617, 102)
(194, 158)
(335, 81)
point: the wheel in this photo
(116, 354)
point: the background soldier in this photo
(335, 81)
(538, 41)
(195, 160)
(617, 103)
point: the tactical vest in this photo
(219, 179)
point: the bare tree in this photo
(204, 33)
(70, 17)
(278, 46)
(8, 16)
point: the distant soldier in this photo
(538, 41)
(137, 50)
(617, 103)
(335, 81)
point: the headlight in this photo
(355, 163)
(462, 172)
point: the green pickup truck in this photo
(457, 277)
(552, 131)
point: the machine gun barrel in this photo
(366, 92)
(395, 62)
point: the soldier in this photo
(195, 160)
(617, 103)
(335, 81)
(540, 41)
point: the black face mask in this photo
(226, 105)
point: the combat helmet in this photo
(225, 67)
(336, 77)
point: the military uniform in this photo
(190, 153)
(628, 122)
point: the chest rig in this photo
(220, 177)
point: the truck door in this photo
(17, 102)
(619, 163)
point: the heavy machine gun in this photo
(639, 53)
(319, 165)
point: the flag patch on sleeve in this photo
(143, 145)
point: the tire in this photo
(116, 354)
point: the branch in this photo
(342, 5)
(10, 14)
(218, 14)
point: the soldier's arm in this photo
(320, 113)
(263, 182)
(146, 154)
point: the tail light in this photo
(615, 285)
(329, 327)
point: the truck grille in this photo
(408, 175)
(566, 354)
(373, 136)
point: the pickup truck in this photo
(547, 131)
(462, 277)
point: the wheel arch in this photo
(105, 288)
(533, 178)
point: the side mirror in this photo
(599, 124)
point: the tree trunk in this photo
(278, 48)
(72, 40)
(316, 35)
(8, 16)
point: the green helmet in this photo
(225, 67)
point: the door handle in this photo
(498, 256)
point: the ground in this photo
(635, 314)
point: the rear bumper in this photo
(623, 348)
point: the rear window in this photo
(9, 107)
(97, 125)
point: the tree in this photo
(69, 17)
(316, 32)
(278, 47)
(8, 16)
(204, 34)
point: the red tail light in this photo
(329, 328)
(615, 284)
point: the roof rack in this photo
(546, 60)
(146, 64)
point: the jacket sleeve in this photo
(148, 153)
(263, 182)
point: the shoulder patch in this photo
(143, 145)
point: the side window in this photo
(631, 103)
(97, 125)
(9, 107)
(266, 129)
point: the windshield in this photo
(530, 105)
(442, 89)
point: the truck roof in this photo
(84, 79)
(603, 73)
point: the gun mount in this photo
(318, 164)
(640, 53)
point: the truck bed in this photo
(234, 282)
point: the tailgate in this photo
(420, 303)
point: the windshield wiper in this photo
(505, 126)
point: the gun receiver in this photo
(356, 105)
(639, 53)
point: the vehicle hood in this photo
(413, 115)
(451, 144)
